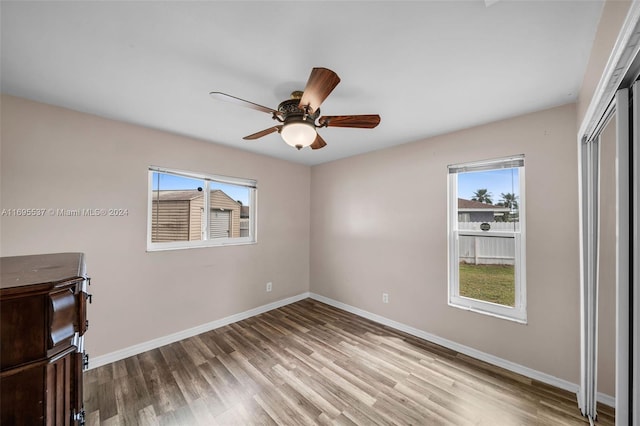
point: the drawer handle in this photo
(62, 300)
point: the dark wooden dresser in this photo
(43, 300)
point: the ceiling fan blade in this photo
(318, 143)
(368, 121)
(321, 82)
(262, 133)
(234, 100)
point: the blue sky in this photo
(495, 181)
(178, 182)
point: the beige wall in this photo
(379, 224)
(613, 15)
(56, 158)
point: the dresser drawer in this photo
(23, 327)
(23, 399)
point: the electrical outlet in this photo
(385, 297)
(269, 286)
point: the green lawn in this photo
(491, 283)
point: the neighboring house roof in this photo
(177, 195)
(184, 195)
(224, 194)
(477, 206)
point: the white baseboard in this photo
(605, 399)
(184, 334)
(466, 350)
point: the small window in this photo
(196, 210)
(486, 238)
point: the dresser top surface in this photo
(19, 271)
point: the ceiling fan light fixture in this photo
(298, 134)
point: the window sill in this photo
(151, 247)
(479, 310)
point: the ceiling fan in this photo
(300, 115)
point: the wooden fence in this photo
(495, 226)
(487, 249)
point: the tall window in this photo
(196, 210)
(486, 237)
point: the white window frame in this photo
(518, 312)
(207, 178)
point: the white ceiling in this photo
(427, 67)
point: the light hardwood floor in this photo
(308, 363)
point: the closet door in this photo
(606, 266)
(635, 260)
(589, 156)
(606, 297)
(622, 185)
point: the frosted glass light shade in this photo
(298, 134)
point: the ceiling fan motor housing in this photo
(290, 111)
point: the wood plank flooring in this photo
(311, 364)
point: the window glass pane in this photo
(489, 196)
(190, 209)
(487, 268)
(229, 210)
(488, 201)
(177, 208)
